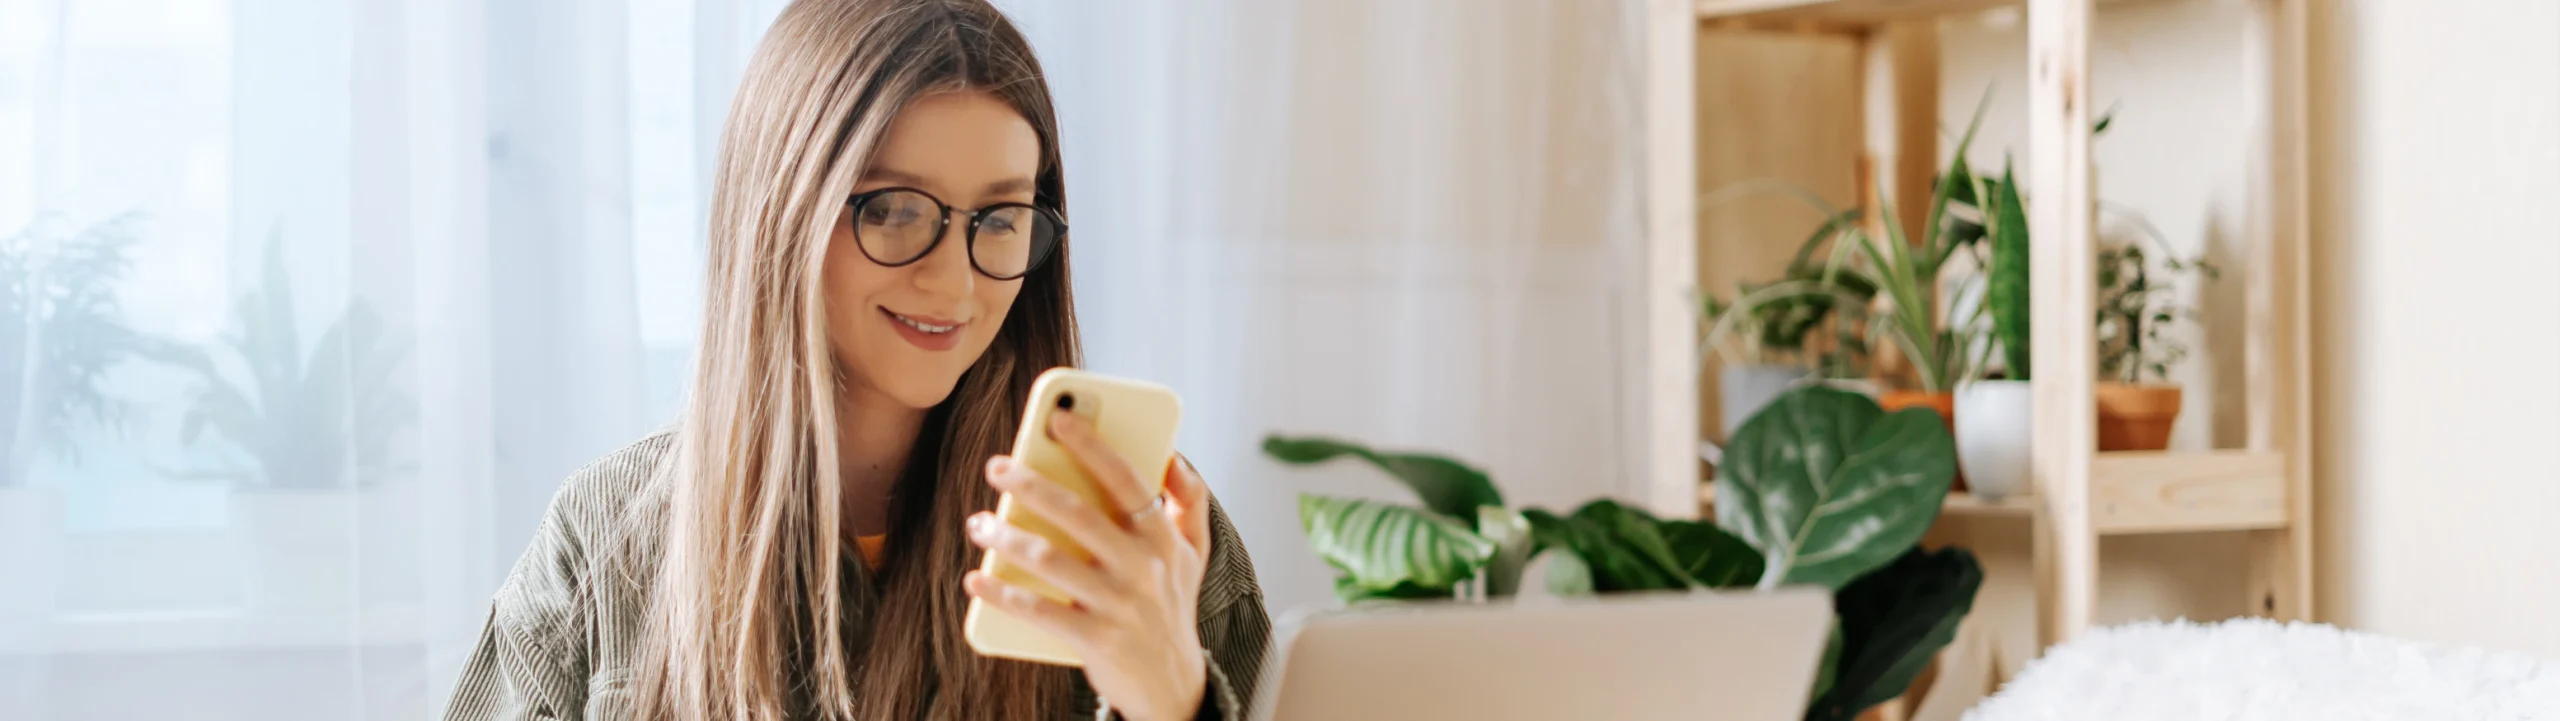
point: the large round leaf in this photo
(1828, 486)
(1387, 550)
(1892, 622)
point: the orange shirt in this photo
(871, 546)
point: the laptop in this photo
(1741, 655)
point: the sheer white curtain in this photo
(358, 282)
(368, 279)
(1408, 223)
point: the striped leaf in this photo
(1386, 550)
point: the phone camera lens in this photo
(1066, 401)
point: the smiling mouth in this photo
(926, 324)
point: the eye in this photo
(895, 210)
(999, 224)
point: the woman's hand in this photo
(1134, 615)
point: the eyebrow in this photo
(899, 177)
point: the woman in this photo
(888, 274)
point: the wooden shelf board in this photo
(1966, 504)
(2166, 491)
(2154, 492)
(1855, 13)
(1850, 15)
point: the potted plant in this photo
(1895, 277)
(1897, 604)
(61, 331)
(1900, 277)
(1995, 417)
(310, 435)
(2137, 405)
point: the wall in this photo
(2436, 152)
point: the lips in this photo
(926, 332)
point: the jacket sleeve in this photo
(1233, 624)
(531, 661)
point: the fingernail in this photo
(977, 525)
(997, 465)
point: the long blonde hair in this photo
(749, 618)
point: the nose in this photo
(946, 271)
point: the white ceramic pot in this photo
(1995, 427)
(1744, 389)
(30, 558)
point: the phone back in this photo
(1137, 420)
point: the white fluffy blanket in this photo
(2260, 669)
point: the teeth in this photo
(926, 327)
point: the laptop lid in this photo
(1739, 655)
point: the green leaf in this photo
(1712, 557)
(1933, 245)
(1388, 549)
(1613, 564)
(1447, 487)
(1352, 593)
(1567, 574)
(2006, 295)
(1828, 486)
(1892, 622)
(1827, 675)
(1638, 533)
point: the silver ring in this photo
(1152, 509)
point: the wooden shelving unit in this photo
(2080, 495)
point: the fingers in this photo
(1118, 483)
(1080, 580)
(1086, 526)
(1188, 496)
(1064, 621)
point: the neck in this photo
(876, 436)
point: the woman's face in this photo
(907, 333)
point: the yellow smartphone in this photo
(1137, 420)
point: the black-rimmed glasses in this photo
(899, 226)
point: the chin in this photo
(923, 395)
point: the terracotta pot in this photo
(1942, 402)
(2136, 417)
